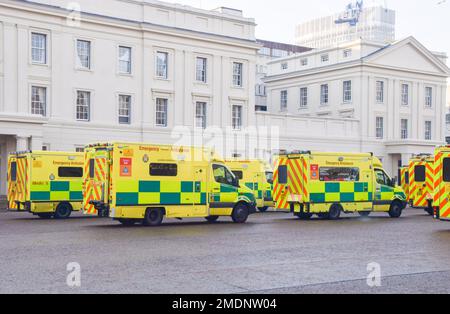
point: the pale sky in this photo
(426, 20)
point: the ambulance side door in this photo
(443, 190)
(12, 182)
(383, 191)
(224, 192)
(200, 188)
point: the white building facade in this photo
(362, 96)
(372, 23)
(127, 70)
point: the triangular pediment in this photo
(408, 54)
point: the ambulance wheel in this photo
(212, 219)
(153, 217)
(364, 214)
(335, 212)
(45, 215)
(304, 216)
(263, 209)
(63, 211)
(128, 222)
(396, 210)
(240, 213)
(430, 211)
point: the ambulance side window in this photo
(222, 175)
(446, 169)
(70, 172)
(337, 174)
(92, 168)
(419, 173)
(164, 170)
(238, 174)
(282, 175)
(407, 177)
(13, 171)
(269, 177)
(381, 177)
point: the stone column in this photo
(21, 143)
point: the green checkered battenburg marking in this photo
(57, 191)
(160, 193)
(344, 192)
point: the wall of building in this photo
(394, 65)
(221, 44)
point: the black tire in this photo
(263, 209)
(429, 211)
(128, 222)
(364, 214)
(212, 219)
(240, 213)
(45, 215)
(304, 216)
(335, 212)
(396, 210)
(153, 217)
(63, 211)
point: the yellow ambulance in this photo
(327, 184)
(441, 181)
(421, 185)
(257, 175)
(47, 184)
(132, 182)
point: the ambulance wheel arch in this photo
(63, 210)
(241, 212)
(154, 216)
(396, 209)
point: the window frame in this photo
(70, 176)
(45, 102)
(379, 91)
(162, 66)
(238, 74)
(304, 97)
(129, 62)
(347, 92)
(79, 63)
(237, 121)
(428, 130)
(405, 94)
(203, 115)
(201, 73)
(404, 132)
(120, 108)
(79, 106)
(45, 48)
(163, 113)
(284, 100)
(324, 94)
(379, 127)
(171, 172)
(428, 97)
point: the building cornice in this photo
(343, 66)
(129, 24)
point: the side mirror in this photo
(236, 182)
